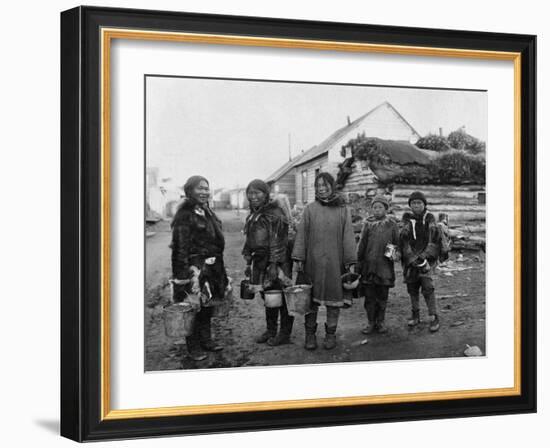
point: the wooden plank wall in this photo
(463, 203)
(287, 185)
(321, 164)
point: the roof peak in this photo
(317, 150)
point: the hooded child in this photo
(420, 242)
(376, 253)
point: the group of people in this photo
(322, 250)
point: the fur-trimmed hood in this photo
(389, 216)
(271, 210)
(274, 209)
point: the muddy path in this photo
(460, 289)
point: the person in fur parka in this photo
(267, 257)
(197, 261)
(419, 244)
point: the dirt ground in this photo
(460, 288)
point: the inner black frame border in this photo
(81, 223)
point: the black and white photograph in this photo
(275, 224)
(294, 223)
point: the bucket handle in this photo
(173, 282)
(251, 274)
(305, 278)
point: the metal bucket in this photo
(179, 320)
(298, 299)
(273, 298)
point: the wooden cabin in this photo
(283, 181)
(296, 177)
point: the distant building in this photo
(237, 198)
(153, 196)
(221, 198)
(161, 196)
(283, 181)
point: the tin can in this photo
(390, 251)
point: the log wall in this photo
(361, 180)
(462, 203)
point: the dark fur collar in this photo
(266, 207)
(372, 218)
(188, 204)
(271, 209)
(186, 208)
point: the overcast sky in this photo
(233, 131)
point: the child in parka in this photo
(419, 243)
(376, 269)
